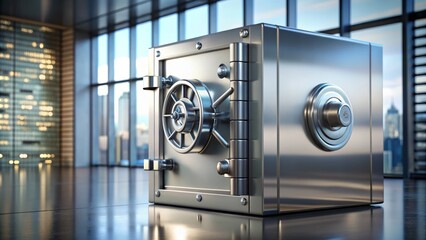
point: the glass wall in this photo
(101, 100)
(121, 55)
(222, 15)
(316, 15)
(143, 43)
(197, 22)
(29, 93)
(229, 14)
(368, 10)
(167, 32)
(273, 12)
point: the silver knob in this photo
(222, 71)
(222, 167)
(337, 114)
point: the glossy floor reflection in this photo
(112, 203)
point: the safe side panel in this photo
(376, 96)
(312, 178)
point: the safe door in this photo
(199, 123)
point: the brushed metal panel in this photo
(209, 201)
(151, 130)
(376, 96)
(198, 170)
(269, 124)
(256, 190)
(311, 178)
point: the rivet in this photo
(157, 53)
(198, 45)
(199, 198)
(244, 33)
(243, 201)
(157, 193)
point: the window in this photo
(121, 123)
(168, 32)
(100, 101)
(196, 22)
(102, 58)
(101, 114)
(419, 5)
(229, 14)
(273, 12)
(121, 54)
(314, 15)
(367, 10)
(143, 43)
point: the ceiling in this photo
(94, 15)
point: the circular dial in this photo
(187, 116)
(329, 117)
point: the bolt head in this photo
(243, 201)
(157, 193)
(199, 198)
(244, 33)
(198, 45)
(157, 53)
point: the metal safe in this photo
(265, 120)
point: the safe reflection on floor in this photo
(112, 203)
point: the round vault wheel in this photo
(188, 116)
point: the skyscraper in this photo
(122, 135)
(392, 123)
(392, 141)
(123, 113)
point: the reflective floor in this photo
(112, 203)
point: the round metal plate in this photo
(326, 137)
(187, 116)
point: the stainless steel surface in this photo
(199, 198)
(238, 52)
(310, 177)
(160, 165)
(329, 117)
(239, 130)
(240, 91)
(239, 110)
(376, 132)
(148, 165)
(239, 186)
(222, 71)
(238, 71)
(238, 149)
(151, 82)
(223, 97)
(188, 116)
(222, 167)
(262, 121)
